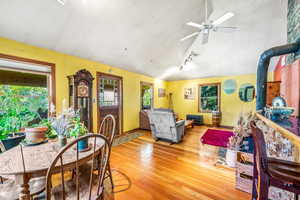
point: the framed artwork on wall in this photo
(189, 93)
(161, 92)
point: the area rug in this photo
(126, 138)
(215, 137)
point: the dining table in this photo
(37, 160)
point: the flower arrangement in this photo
(78, 128)
(66, 124)
(62, 123)
(241, 130)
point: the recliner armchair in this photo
(164, 126)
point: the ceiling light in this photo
(62, 2)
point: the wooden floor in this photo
(182, 171)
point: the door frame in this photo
(120, 78)
(141, 100)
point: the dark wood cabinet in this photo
(80, 96)
(273, 90)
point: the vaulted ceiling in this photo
(143, 36)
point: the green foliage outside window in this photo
(209, 97)
(146, 97)
(21, 106)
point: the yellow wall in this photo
(231, 105)
(67, 65)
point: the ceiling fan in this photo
(62, 2)
(209, 25)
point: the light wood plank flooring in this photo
(182, 171)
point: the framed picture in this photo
(189, 93)
(161, 92)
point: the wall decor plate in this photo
(229, 86)
(247, 92)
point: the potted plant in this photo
(20, 107)
(78, 130)
(9, 133)
(62, 124)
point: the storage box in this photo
(244, 171)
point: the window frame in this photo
(51, 78)
(218, 84)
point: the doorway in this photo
(110, 99)
(146, 95)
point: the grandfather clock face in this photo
(83, 89)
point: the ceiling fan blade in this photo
(193, 24)
(225, 28)
(189, 36)
(205, 37)
(223, 18)
(62, 2)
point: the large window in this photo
(209, 97)
(26, 91)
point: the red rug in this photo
(215, 137)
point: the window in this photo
(209, 97)
(26, 89)
(146, 95)
(109, 95)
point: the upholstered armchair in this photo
(164, 126)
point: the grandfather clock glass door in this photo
(110, 98)
(83, 103)
(80, 92)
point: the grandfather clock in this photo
(80, 96)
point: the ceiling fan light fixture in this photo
(62, 2)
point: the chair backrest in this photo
(2, 147)
(162, 120)
(260, 148)
(163, 110)
(99, 152)
(108, 128)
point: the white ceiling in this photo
(142, 36)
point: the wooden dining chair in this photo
(272, 172)
(107, 129)
(9, 189)
(2, 149)
(86, 186)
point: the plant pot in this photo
(83, 144)
(231, 156)
(13, 140)
(62, 140)
(36, 135)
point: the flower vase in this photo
(83, 144)
(231, 156)
(62, 140)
